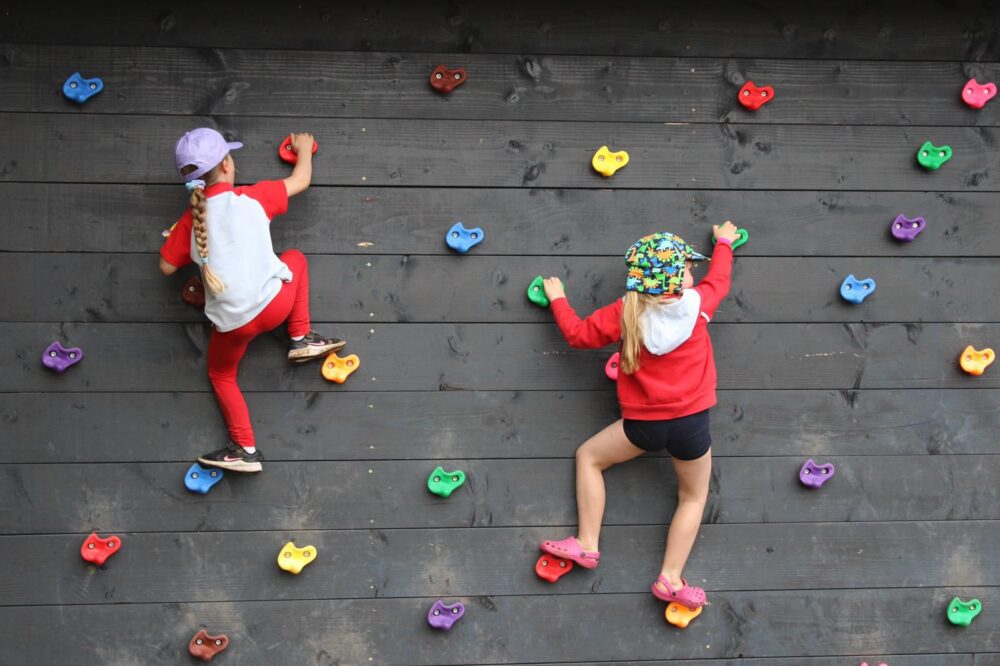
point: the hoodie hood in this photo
(667, 326)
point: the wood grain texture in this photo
(77, 148)
(512, 87)
(439, 425)
(506, 629)
(414, 289)
(525, 222)
(515, 357)
(393, 494)
(963, 30)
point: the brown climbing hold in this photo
(205, 647)
(193, 292)
(445, 80)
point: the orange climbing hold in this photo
(974, 361)
(680, 615)
(337, 369)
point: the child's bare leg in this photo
(692, 494)
(606, 448)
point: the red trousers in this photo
(226, 349)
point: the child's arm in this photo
(302, 173)
(600, 329)
(714, 287)
(166, 267)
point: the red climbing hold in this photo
(286, 153)
(611, 367)
(97, 550)
(445, 80)
(552, 568)
(193, 292)
(753, 97)
(205, 647)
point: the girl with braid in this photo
(248, 290)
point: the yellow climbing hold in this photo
(293, 559)
(606, 162)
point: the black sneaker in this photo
(235, 458)
(312, 346)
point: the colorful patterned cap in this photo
(656, 264)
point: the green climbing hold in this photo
(742, 236)
(962, 613)
(536, 293)
(932, 157)
(445, 483)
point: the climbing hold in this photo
(444, 616)
(193, 292)
(976, 94)
(80, 89)
(854, 290)
(974, 361)
(97, 550)
(552, 568)
(286, 153)
(752, 97)
(337, 369)
(606, 162)
(445, 483)
(932, 157)
(57, 358)
(293, 559)
(461, 239)
(905, 229)
(445, 80)
(680, 615)
(742, 236)
(200, 479)
(536, 292)
(813, 476)
(962, 613)
(611, 368)
(204, 646)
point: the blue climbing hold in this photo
(201, 479)
(80, 89)
(854, 290)
(461, 239)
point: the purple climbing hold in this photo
(905, 229)
(813, 476)
(444, 616)
(57, 358)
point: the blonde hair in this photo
(199, 221)
(635, 304)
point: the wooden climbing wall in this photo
(458, 369)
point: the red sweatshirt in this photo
(670, 386)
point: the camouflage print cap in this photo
(656, 264)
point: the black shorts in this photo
(686, 438)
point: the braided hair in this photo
(199, 220)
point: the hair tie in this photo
(204, 261)
(195, 184)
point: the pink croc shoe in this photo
(692, 597)
(569, 549)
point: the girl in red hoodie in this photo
(666, 385)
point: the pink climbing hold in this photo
(611, 369)
(976, 94)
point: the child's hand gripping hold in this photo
(726, 231)
(553, 288)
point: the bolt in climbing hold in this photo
(976, 94)
(58, 358)
(445, 80)
(962, 613)
(286, 153)
(855, 291)
(293, 559)
(974, 361)
(461, 239)
(536, 292)
(80, 89)
(932, 157)
(444, 616)
(444, 483)
(814, 476)
(607, 163)
(905, 229)
(753, 97)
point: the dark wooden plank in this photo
(895, 660)
(77, 148)
(239, 566)
(506, 629)
(963, 30)
(129, 218)
(440, 425)
(386, 494)
(375, 85)
(394, 357)
(987, 659)
(480, 289)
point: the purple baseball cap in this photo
(203, 147)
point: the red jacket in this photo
(670, 386)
